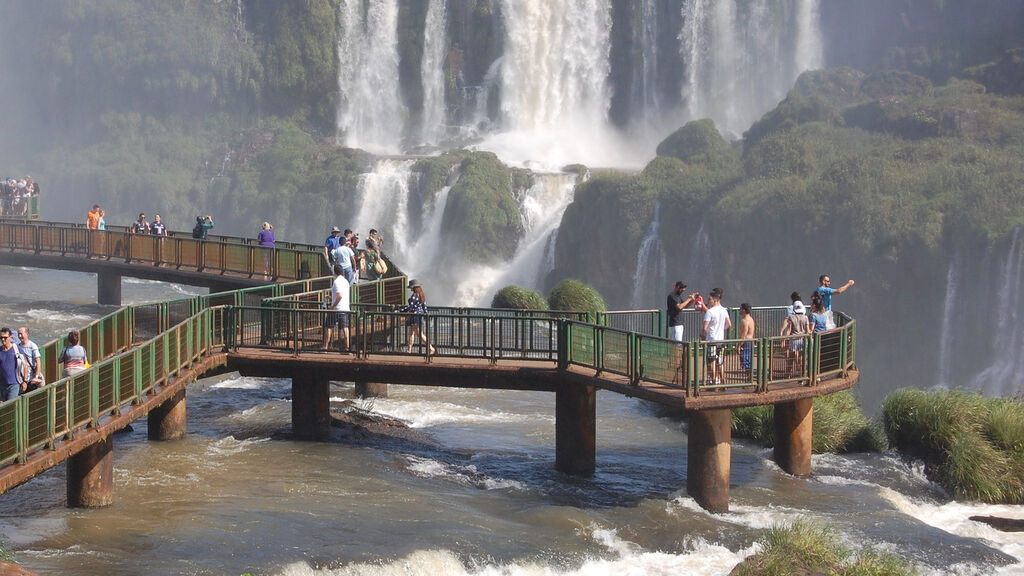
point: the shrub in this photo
(696, 140)
(971, 445)
(839, 425)
(519, 298)
(812, 548)
(576, 296)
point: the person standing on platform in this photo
(826, 291)
(266, 239)
(748, 331)
(92, 218)
(338, 317)
(31, 351)
(141, 226)
(158, 228)
(677, 302)
(74, 357)
(716, 323)
(332, 243)
(11, 382)
(417, 313)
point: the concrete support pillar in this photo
(794, 437)
(575, 429)
(371, 390)
(311, 407)
(108, 288)
(167, 421)
(709, 450)
(90, 476)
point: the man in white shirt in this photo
(346, 257)
(339, 314)
(716, 322)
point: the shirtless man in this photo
(747, 331)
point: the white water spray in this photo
(701, 269)
(435, 44)
(1005, 376)
(651, 265)
(949, 309)
(384, 195)
(371, 114)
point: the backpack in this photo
(22, 364)
(197, 232)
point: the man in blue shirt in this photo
(332, 243)
(10, 384)
(826, 290)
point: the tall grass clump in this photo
(806, 548)
(839, 425)
(971, 445)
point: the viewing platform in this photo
(146, 355)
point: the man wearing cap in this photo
(676, 303)
(332, 243)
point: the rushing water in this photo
(472, 492)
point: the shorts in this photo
(712, 354)
(676, 333)
(746, 355)
(339, 319)
(796, 345)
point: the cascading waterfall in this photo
(542, 207)
(432, 71)
(384, 195)
(699, 272)
(645, 76)
(738, 65)
(650, 273)
(949, 309)
(428, 248)
(371, 114)
(1005, 376)
(555, 93)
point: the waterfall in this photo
(435, 44)
(740, 57)
(541, 207)
(1005, 375)
(384, 195)
(645, 76)
(370, 114)
(427, 252)
(949, 311)
(650, 273)
(700, 270)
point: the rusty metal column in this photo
(709, 450)
(167, 421)
(311, 407)
(794, 436)
(371, 390)
(90, 476)
(108, 288)
(575, 429)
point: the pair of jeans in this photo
(10, 391)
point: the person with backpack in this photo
(13, 368)
(202, 227)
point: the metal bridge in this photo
(146, 355)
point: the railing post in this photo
(563, 343)
(634, 342)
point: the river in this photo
(472, 491)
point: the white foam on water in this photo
(423, 414)
(230, 445)
(243, 383)
(155, 477)
(47, 315)
(463, 475)
(954, 517)
(755, 517)
(627, 559)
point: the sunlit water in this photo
(474, 493)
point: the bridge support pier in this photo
(371, 390)
(311, 407)
(90, 476)
(108, 288)
(575, 429)
(794, 423)
(167, 421)
(709, 450)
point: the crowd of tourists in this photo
(716, 322)
(14, 195)
(342, 249)
(21, 364)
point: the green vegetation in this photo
(809, 548)
(696, 142)
(6, 555)
(971, 445)
(839, 425)
(481, 215)
(519, 298)
(576, 296)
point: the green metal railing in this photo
(175, 334)
(27, 209)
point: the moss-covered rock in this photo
(519, 298)
(575, 296)
(694, 142)
(481, 216)
(1004, 76)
